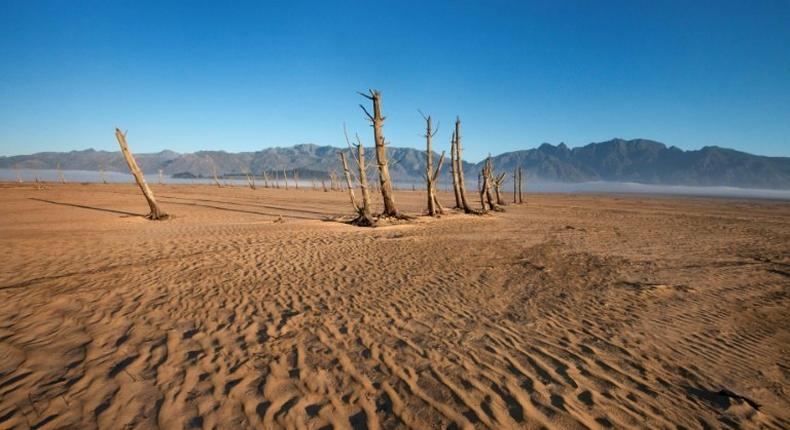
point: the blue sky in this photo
(243, 76)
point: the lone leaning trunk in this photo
(156, 213)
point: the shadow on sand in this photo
(88, 207)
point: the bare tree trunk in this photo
(156, 213)
(323, 184)
(515, 185)
(430, 176)
(490, 184)
(276, 180)
(296, 178)
(364, 219)
(498, 182)
(265, 180)
(459, 160)
(381, 155)
(18, 178)
(520, 180)
(161, 177)
(60, 174)
(481, 188)
(454, 168)
(285, 178)
(216, 180)
(349, 182)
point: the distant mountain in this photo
(618, 160)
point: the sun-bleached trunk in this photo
(156, 213)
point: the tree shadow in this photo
(115, 211)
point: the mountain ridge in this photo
(619, 160)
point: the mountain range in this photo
(617, 160)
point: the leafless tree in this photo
(434, 207)
(285, 178)
(520, 180)
(499, 180)
(214, 171)
(390, 210)
(60, 174)
(454, 171)
(515, 185)
(156, 213)
(460, 167)
(161, 177)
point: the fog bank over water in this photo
(28, 175)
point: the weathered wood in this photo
(156, 213)
(454, 172)
(460, 169)
(434, 208)
(385, 181)
(499, 180)
(349, 182)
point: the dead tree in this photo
(499, 180)
(520, 180)
(214, 171)
(296, 178)
(454, 171)
(349, 182)
(250, 177)
(265, 180)
(486, 197)
(434, 207)
(60, 174)
(276, 180)
(364, 217)
(285, 178)
(18, 178)
(460, 167)
(390, 210)
(156, 213)
(482, 187)
(515, 185)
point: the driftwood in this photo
(156, 213)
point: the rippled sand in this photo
(249, 310)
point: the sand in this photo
(249, 309)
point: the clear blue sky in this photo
(239, 77)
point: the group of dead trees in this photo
(489, 188)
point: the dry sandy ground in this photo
(566, 312)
